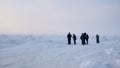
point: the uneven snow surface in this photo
(28, 51)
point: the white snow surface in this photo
(42, 51)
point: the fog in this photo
(60, 16)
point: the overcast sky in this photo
(60, 16)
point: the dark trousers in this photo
(97, 41)
(69, 41)
(74, 41)
(83, 41)
(86, 41)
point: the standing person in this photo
(97, 39)
(74, 38)
(82, 39)
(86, 37)
(69, 38)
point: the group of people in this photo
(69, 38)
(84, 38)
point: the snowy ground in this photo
(27, 51)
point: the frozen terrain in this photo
(42, 51)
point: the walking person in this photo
(97, 38)
(69, 38)
(74, 38)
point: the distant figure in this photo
(69, 38)
(86, 38)
(97, 38)
(74, 38)
(82, 37)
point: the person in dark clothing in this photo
(86, 38)
(97, 38)
(74, 38)
(69, 38)
(82, 37)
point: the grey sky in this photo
(60, 16)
